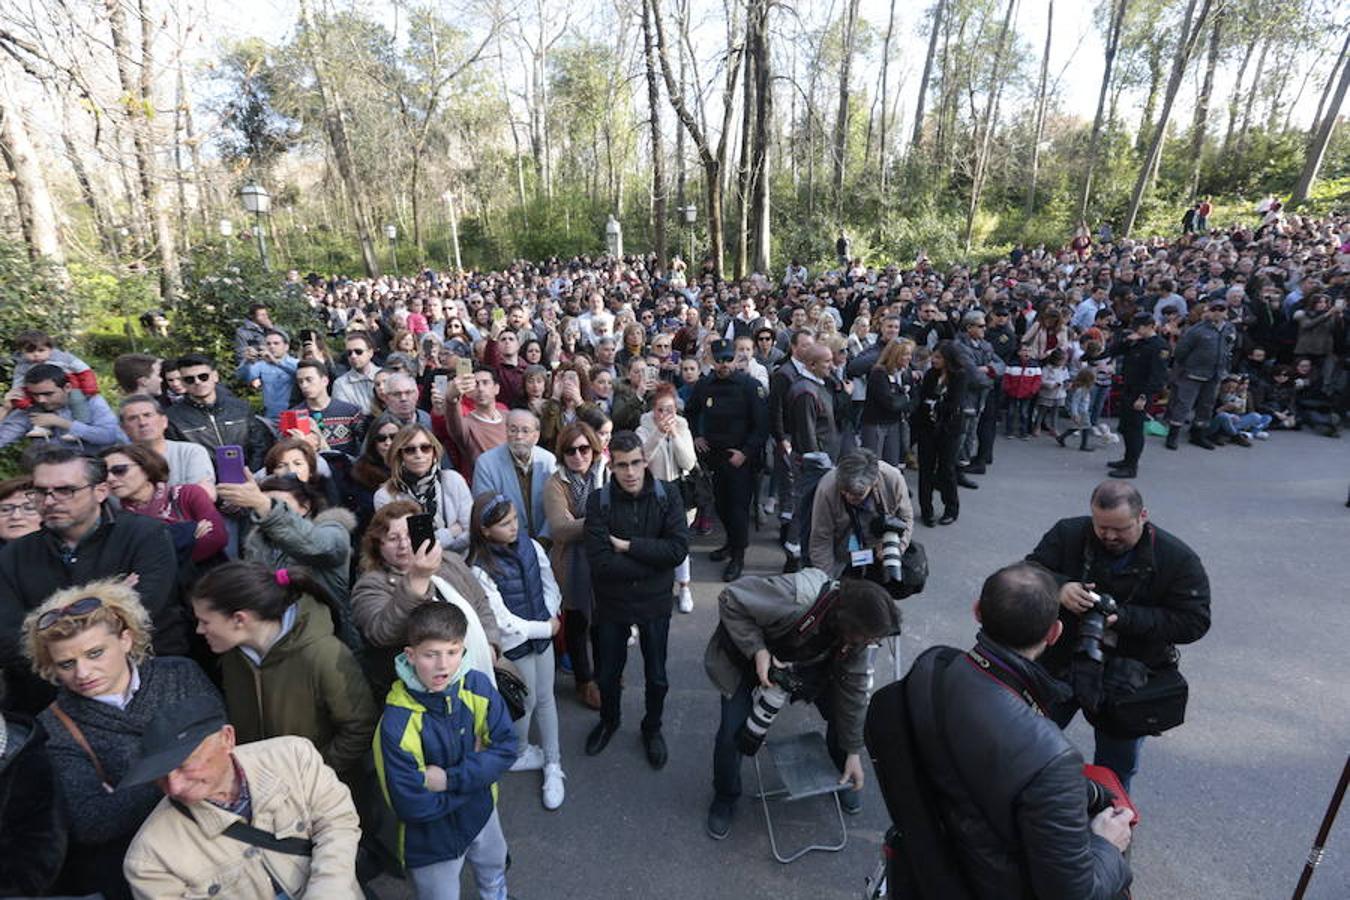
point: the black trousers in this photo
(1132, 432)
(577, 633)
(611, 655)
(995, 405)
(937, 469)
(733, 488)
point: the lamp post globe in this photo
(257, 201)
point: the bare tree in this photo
(658, 150)
(848, 36)
(758, 61)
(1202, 102)
(986, 130)
(37, 213)
(938, 18)
(1192, 25)
(1038, 129)
(1317, 147)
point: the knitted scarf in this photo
(579, 485)
(424, 490)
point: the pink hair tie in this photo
(283, 577)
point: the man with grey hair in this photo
(984, 369)
(400, 400)
(519, 470)
(855, 504)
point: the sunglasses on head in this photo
(81, 607)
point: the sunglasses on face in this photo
(578, 450)
(81, 607)
(356, 351)
(415, 449)
(385, 438)
(202, 378)
(119, 470)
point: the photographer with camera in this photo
(786, 638)
(987, 795)
(1129, 593)
(862, 520)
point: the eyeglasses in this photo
(764, 337)
(65, 492)
(120, 469)
(356, 351)
(81, 607)
(385, 438)
(415, 449)
(201, 377)
(579, 450)
(8, 510)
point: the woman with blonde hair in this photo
(415, 474)
(94, 643)
(885, 413)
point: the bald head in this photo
(817, 358)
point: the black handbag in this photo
(688, 487)
(513, 691)
(914, 568)
(1150, 708)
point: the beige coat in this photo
(294, 795)
(568, 532)
(830, 525)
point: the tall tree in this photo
(658, 148)
(848, 37)
(758, 59)
(986, 129)
(37, 213)
(1202, 103)
(1192, 25)
(1042, 99)
(335, 126)
(712, 157)
(1317, 147)
(939, 13)
(884, 143)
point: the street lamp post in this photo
(690, 218)
(449, 198)
(227, 232)
(391, 232)
(259, 202)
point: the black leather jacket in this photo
(1008, 783)
(229, 421)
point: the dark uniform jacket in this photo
(729, 413)
(1161, 586)
(1143, 366)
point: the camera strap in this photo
(1005, 676)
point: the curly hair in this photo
(121, 609)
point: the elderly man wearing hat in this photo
(266, 819)
(1201, 358)
(1143, 368)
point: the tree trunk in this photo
(740, 254)
(1202, 104)
(1233, 99)
(1318, 146)
(757, 37)
(849, 35)
(681, 164)
(90, 196)
(658, 151)
(1041, 100)
(1155, 73)
(1191, 27)
(335, 124)
(987, 129)
(1251, 98)
(1326, 90)
(180, 103)
(916, 142)
(37, 213)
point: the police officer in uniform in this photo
(1144, 357)
(728, 416)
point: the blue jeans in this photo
(611, 655)
(1119, 754)
(1099, 394)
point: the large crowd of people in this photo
(394, 524)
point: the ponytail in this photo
(244, 585)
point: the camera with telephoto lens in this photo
(888, 529)
(1092, 626)
(766, 704)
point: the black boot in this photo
(1085, 442)
(1173, 436)
(734, 567)
(721, 553)
(1198, 438)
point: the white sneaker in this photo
(553, 786)
(529, 760)
(686, 600)
(1262, 435)
(770, 506)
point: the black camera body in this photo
(1092, 627)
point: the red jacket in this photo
(1021, 382)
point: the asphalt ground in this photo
(1229, 802)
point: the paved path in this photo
(1230, 801)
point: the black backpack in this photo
(923, 864)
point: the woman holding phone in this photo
(415, 474)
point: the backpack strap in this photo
(78, 737)
(244, 833)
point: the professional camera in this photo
(888, 529)
(766, 704)
(1099, 798)
(1092, 626)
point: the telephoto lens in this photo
(890, 556)
(767, 703)
(1092, 626)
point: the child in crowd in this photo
(518, 580)
(1054, 389)
(1103, 371)
(1080, 408)
(1021, 383)
(444, 740)
(34, 348)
